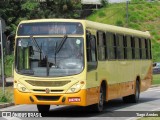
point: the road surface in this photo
(149, 104)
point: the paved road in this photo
(149, 101)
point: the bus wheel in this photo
(43, 108)
(135, 97)
(99, 106)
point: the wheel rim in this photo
(100, 105)
(137, 92)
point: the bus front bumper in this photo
(78, 98)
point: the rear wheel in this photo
(135, 97)
(43, 108)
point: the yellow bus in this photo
(79, 62)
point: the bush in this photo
(8, 61)
(101, 14)
(149, 5)
(157, 37)
(3, 98)
(134, 25)
(133, 18)
(119, 23)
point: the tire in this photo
(99, 106)
(134, 98)
(43, 108)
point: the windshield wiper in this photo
(41, 52)
(58, 48)
(37, 46)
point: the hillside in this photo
(141, 16)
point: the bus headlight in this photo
(22, 88)
(75, 88)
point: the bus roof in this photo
(97, 26)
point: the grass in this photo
(8, 96)
(156, 79)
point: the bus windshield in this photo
(38, 56)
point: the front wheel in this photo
(99, 106)
(43, 108)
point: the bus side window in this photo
(111, 45)
(101, 41)
(91, 52)
(146, 49)
(143, 48)
(129, 47)
(120, 47)
(133, 47)
(149, 49)
(125, 47)
(137, 50)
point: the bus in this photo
(79, 62)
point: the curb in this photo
(4, 105)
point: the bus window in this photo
(111, 43)
(91, 52)
(140, 48)
(133, 47)
(146, 48)
(125, 47)
(129, 48)
(137, 55)
(149, 48)
(143, 48)
(101, 45)
(120, 47)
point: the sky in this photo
(98, 1)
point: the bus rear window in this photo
(49, 28)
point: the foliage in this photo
(3, 98)
(8, 62)
(101, 14)
(8, 95)
(119, 23)
(104, 3)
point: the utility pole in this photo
(2, 61)
(127, 12)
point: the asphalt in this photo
(9, 82)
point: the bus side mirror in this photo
(10, 44)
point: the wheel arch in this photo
(138, 79)
(104, 84)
